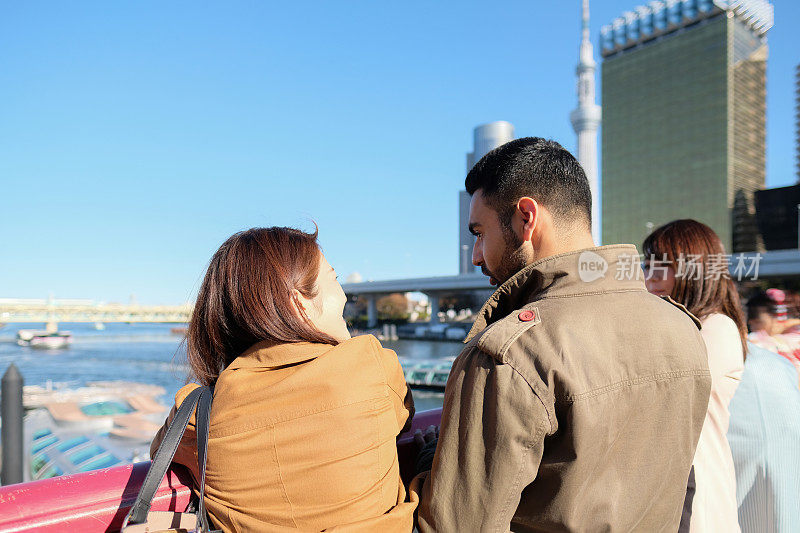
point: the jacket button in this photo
(527, 316)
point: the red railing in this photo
(98, 501)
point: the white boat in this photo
(44, 339)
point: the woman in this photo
(771, 325)
(686, 261)
(304, 418)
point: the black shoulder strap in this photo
(203, 417)
(163, 458)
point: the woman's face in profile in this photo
(659, 277)
(326, 309)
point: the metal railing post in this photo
(12, 413)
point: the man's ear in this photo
(528, 212)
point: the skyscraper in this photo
(485, 138)
(797, 116)
(684, 98)
(586, 119)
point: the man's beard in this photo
(514, 258)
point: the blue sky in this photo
(136, 136)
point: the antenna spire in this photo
(586, 117)
(585, 20)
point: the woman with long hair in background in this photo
(686, 261)
(304, 419)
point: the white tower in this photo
(586, 120)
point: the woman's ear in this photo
(300, 304)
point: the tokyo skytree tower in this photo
(586, 119)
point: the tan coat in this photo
(302, 436)
(575, 406)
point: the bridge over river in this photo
(765, 265)
(51, 311)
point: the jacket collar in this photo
(587, 271)
(266, 354)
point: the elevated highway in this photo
(764, 265)
(433, 287)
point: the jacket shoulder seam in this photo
(377, 351)
(662, 376)
(533, 387)
(550, 414)
(284, 492)
(588, 293)
(289, 417)
(513, 489)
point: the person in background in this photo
(769, 312)
(304, 418)
(771, 325)
(764, 436)
(552, 419)
(793, 304)
(686, 261)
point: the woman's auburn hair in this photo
(702, 295)
(247, 296)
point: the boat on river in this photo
(425, 374)
(44, 339)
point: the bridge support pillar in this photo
(372, 310)
(433, 303)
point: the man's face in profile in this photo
(497, 248)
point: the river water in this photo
(149, 353)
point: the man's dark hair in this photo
(537, 168)
(760, 303)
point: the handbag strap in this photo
(163, 458)
(203, 417)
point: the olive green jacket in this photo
(576, 405)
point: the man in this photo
(764, 435)
(578, 400)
